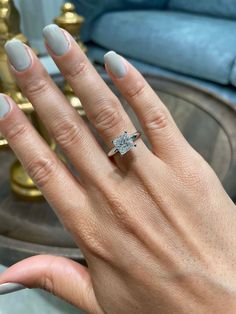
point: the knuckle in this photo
(93, 243)
(197, 175)
(47, 278)
(108, 116)
(35, 86)
(67, 133)
(119, 210)
(156, 119)
(76, 69)
(41, 170)
(136, 89)
(47, 283)
(16, 131)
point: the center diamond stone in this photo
(123, 143)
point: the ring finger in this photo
(101, 105)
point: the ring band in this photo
(124, 143)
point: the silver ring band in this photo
(124, 143)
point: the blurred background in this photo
(186, 49)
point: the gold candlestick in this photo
(9, 29)
(72, 22)
(21, 183)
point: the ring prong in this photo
(124, 143)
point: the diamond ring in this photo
(124, 143)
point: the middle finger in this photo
(60, 118)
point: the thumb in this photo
(58, 275)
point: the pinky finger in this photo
(167, 141)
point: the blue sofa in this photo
(191, 41)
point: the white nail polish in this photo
(4, 106)
(10, 287)
(115, 64)
(56, 39)
(18, 55)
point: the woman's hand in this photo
(156, 227)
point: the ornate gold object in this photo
(21, 183)
(72, 22)
(9, 29)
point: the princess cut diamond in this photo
(123, 143)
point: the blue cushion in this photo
(221, 8)
(91, 9)
(226, 93)
(200, 46)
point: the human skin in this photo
(156, 227)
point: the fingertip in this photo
(6, 104)
(10, 287)
(19, 55)
(108, 55)
(48, 28)
(56, 39)
(115, 64)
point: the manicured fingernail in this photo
(115, 64)
(4, 106)
(18, 54)
(10, 287)
(56, 39)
